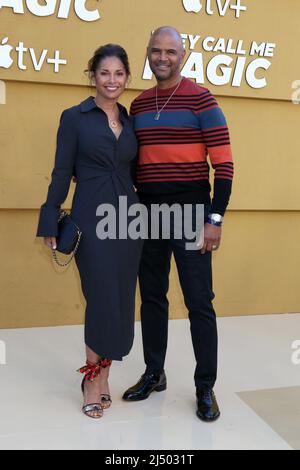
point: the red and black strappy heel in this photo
(91, 371)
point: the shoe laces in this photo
(207, 394)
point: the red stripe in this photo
(217, 134)
(228, 166)
(167, 131)
(169, 142)
(224, 178)
(153, 180)
(213, 129)
(161, 128)
(182, 98)
(217, 138)
(172, 172)
(175, 165)
(225, 173)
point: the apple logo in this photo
(5, 59)
(192, 5)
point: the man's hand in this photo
(212, 238)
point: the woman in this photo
(96, 143)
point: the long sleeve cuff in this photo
(222, 192)
(48, 221)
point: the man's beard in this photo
(161, 78)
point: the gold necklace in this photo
(112, 122)
(159, 111)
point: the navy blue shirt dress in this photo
(104, 168)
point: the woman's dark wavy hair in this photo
(108, 50)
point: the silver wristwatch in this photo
(215, 219)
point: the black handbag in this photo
(68, 238)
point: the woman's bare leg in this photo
(93, 390)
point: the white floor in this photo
(40, 398)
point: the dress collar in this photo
(89, 104)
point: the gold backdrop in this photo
(256, 270)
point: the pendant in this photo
(157, 116)
(113, 124)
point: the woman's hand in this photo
(50, 242)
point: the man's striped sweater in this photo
(172, 164)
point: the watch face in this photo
(216, 217)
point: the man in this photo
(178, 124)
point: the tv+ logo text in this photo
(213, 6)
(38, 60)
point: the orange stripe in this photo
(178, 153)
(220, 154)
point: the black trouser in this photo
(195, 277)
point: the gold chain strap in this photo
(54, 254)
(57, 261)
(62, 215)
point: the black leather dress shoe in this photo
(207, 406)
(147, 384)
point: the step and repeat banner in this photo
(234, 47)
(247, 52)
